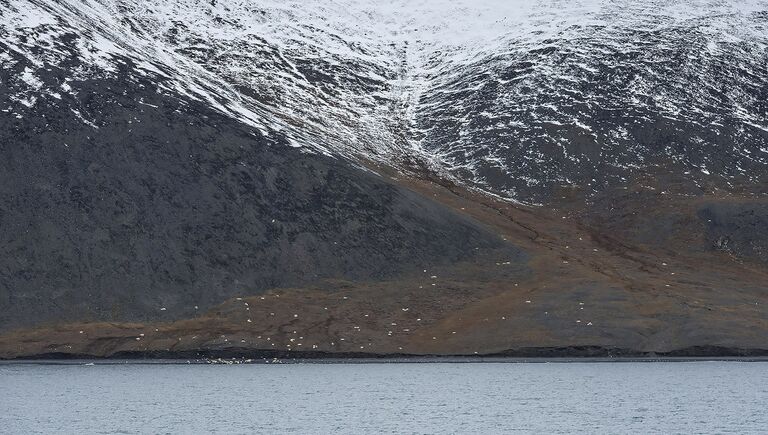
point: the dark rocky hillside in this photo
(167, 204)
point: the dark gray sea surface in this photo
(575, 397)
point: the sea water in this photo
(423, 398)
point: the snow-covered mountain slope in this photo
(513, 97)
(591, 93)
(272, 66)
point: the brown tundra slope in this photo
(666, 275)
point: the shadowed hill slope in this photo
(168, 205)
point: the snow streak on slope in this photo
(515, 97)
(278, 66)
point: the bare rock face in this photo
(740, 229)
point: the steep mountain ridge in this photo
(515, 98)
